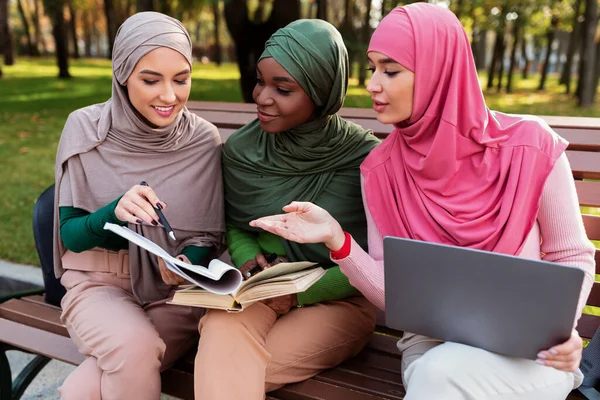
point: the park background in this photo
(537, 57)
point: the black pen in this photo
(161, 216)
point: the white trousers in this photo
(452, 371)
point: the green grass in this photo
(34, 106)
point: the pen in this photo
(161, 216)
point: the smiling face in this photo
(391, 88)
(282, 103)
(159, 85)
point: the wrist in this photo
(336, 242)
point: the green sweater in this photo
(81, 231)
(244, 246)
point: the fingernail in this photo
(159, 206)
(553, 352)
(542, 355)
(154, 223)
(540, 362)
(139, 221)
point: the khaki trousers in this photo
(453, 371)
(126, 345)
(244, 355)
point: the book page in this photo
(276, 270)
(219, 277)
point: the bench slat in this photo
(40, 316)
(588, 193)
(360, 382)
(592, 226)
(39, 341)
(594, 298)
(553, 121)
(316, 390)
(581, 139)
(585, 164)
(587, 325)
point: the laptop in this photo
(504, 304)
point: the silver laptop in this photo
(505, 304)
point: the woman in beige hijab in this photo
(115, 307)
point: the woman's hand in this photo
(282, 304)
(136, 206)
(257, 264)
(565, 356)
(304, 223)
(169, 277)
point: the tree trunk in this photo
(73, 29)
(218, 51)
(565, 78)
(7, 44)
(513, 53)
(250, 38)
(111, 24)
(365, 35)
(497, 55)
(165, 7)
(322, 9)
(54, 9)
(145, 5)
(596, 72)
(550, 40)
(526, 60)
(501, 68)
(31, 48)
(587, 88)
(39, 36)
(87, 33)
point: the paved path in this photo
(45, 385)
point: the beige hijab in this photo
(107, 148)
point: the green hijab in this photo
(317, 161)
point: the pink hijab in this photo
(455, 172)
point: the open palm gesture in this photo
(304, 223)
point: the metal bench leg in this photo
(14, 390)
(5, 374)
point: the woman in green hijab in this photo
(297, 148)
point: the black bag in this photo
(43, 232)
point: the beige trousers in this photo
(244, 355)
(126, 345)
(453, 371)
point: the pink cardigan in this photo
(558, 236)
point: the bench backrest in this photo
(583, 152)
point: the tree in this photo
(322, 9)
(364, 36)
(7, 45)
(589, 55)
(218, 54)
(31, 48)
(55, 10)
(39, 37)
(250, 35)
(498, 46)
(145, 5)
(550, 41)
(517, 42)
(565, 78)
(73, 29)
(111, 24)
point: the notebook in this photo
(505, 304)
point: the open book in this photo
(279, 280)
(221, 283)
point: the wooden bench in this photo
(32, 325)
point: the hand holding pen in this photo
(140, 204)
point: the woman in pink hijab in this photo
(454, 172)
